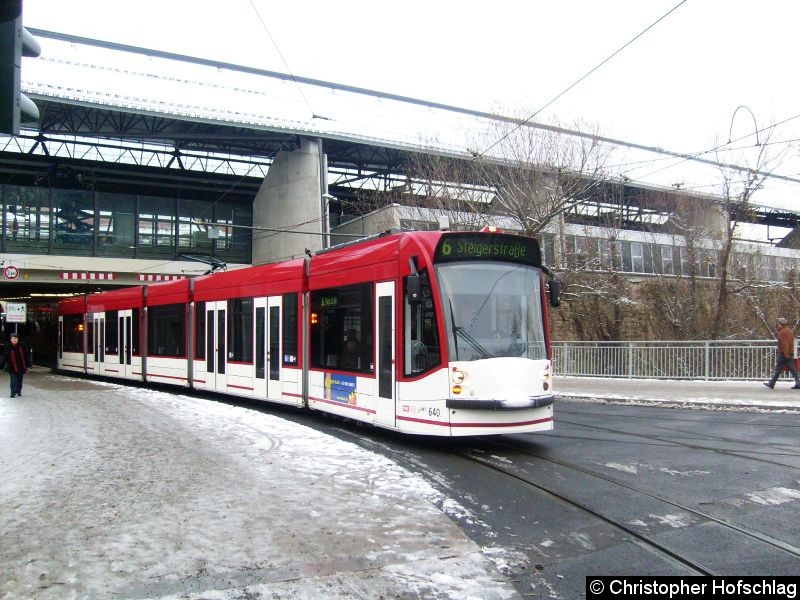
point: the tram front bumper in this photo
(478, 404)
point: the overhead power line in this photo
(636, 37)
(283, 60)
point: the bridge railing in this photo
(705, 359)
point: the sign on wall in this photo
(16, 312)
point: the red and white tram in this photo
(433, 333)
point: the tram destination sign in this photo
(488, 246)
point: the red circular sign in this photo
(11, 272)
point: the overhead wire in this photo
(581, 79)
(283, 60)
(696, 156)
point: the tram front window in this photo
(492, 309)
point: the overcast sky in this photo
(677, 86)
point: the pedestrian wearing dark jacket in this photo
(16, 361)
(784, 355)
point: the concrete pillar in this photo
(698, 218)
(290, 198)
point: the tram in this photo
(430, 333)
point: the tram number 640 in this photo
(434, 412)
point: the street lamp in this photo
(326, 219)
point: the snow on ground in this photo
(749, 396)
(115, 492)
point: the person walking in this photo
(784, 355)
(16, 361)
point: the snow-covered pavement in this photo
(108, 491)
(736, 395)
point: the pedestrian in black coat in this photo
(16, 361)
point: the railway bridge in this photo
(147, 166)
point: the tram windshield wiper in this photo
(460, 331)
(476, 345)
(455, 327)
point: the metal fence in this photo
(709, 360)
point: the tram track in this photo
(734, 453)
(469, 455)
(567, 492)
(638, 537)
(706, 516)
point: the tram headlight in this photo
(458, 376)
(546, 374)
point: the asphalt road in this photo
(621, 490)
(663, 488)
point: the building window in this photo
(605, 254)
(571, 251)
(637, 257)
(667, 265)
(234, 220)
(116, 225)
(772, 268)
(625, 256)
(648, 249)
(194, 222)
(74, 225)
(156, 227)
(709, 267)
(26, 218)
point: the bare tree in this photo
(526, 174)
(738, 188)
(540, 174)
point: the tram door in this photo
(385, 409)
(96, 355)
(267, 348)
(216, 353)
(125, 342)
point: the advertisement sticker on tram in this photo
(340, 388)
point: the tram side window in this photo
(200, 330)
(112, 335)
(136, 321)
(290, 330)
(342, 328)
(73, 333)
(166, 330)
(90, 349)
(240, 330)
(421, 349)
